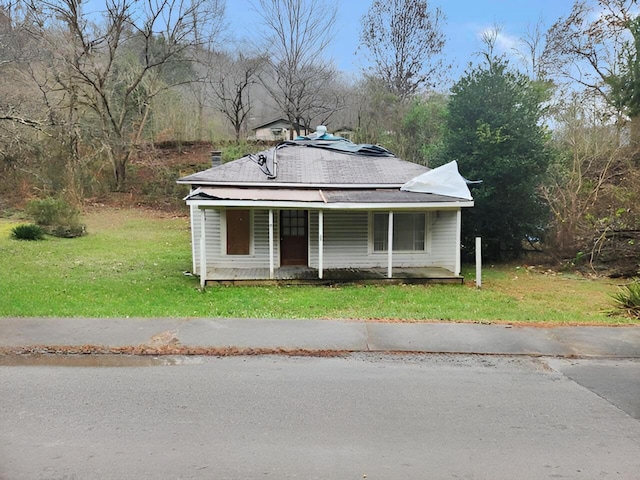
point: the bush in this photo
(57, 217)
(27, 232)
(236, 151)
(67, 231)
(628, 298)
(52, 211)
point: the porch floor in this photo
(309, 276)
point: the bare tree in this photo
(231, 83)
(110, 70)
(28, 132)
(404, 39)
(297, 32)
(328, 100)
(586, 46)
(532, 50)
(590, 188)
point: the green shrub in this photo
(235, 151)
(57, 217)
(27, 232)
(628, 298)
(67, 231)
(52, 211)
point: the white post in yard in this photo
(478, 262)
(390, 246)
(458, 240)
(203, 247)
(271, 262)
(320, 242)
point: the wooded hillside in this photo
(103, 99)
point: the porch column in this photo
(458, 240)
(203, 247)
(193, 218)
(320, 241)
(390, 246)
(271, 262)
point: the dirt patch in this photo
(164, 350)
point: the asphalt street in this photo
(363, 415)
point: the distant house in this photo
(325, 209)
(345, 132)
(277, 130)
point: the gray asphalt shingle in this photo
(298, 164)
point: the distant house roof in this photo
(277, 121)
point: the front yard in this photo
(131, 264)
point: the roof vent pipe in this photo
(216, 158)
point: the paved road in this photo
(616, 381)
(383, 416)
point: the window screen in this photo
(409, 232)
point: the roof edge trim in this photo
(331, 206)
(326, 186)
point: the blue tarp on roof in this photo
(339, 144)
(315, 136)
(322, 139)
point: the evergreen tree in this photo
(495, 132)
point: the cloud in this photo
(505, 43)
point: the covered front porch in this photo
(309, 276)
(334, 244)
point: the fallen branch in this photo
(25, 121)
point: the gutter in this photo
(331, 206)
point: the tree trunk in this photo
(119, 160)
(120, 174)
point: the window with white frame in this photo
(409, 232)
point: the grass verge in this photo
(131, 263)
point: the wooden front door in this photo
(294, 248)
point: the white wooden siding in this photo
(443, 239)
(216, 244)
(347, 242)
(347, 237)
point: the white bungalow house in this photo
(325, 209)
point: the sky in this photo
(466, 21)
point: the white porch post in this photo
(390, 246)
(203, 247)
(458, 240)
(320, 241)
(478, 262)
(271, 262)
(193, 218)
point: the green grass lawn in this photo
(132, 262)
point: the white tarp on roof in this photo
(444, 180)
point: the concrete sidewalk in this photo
(18, 334)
